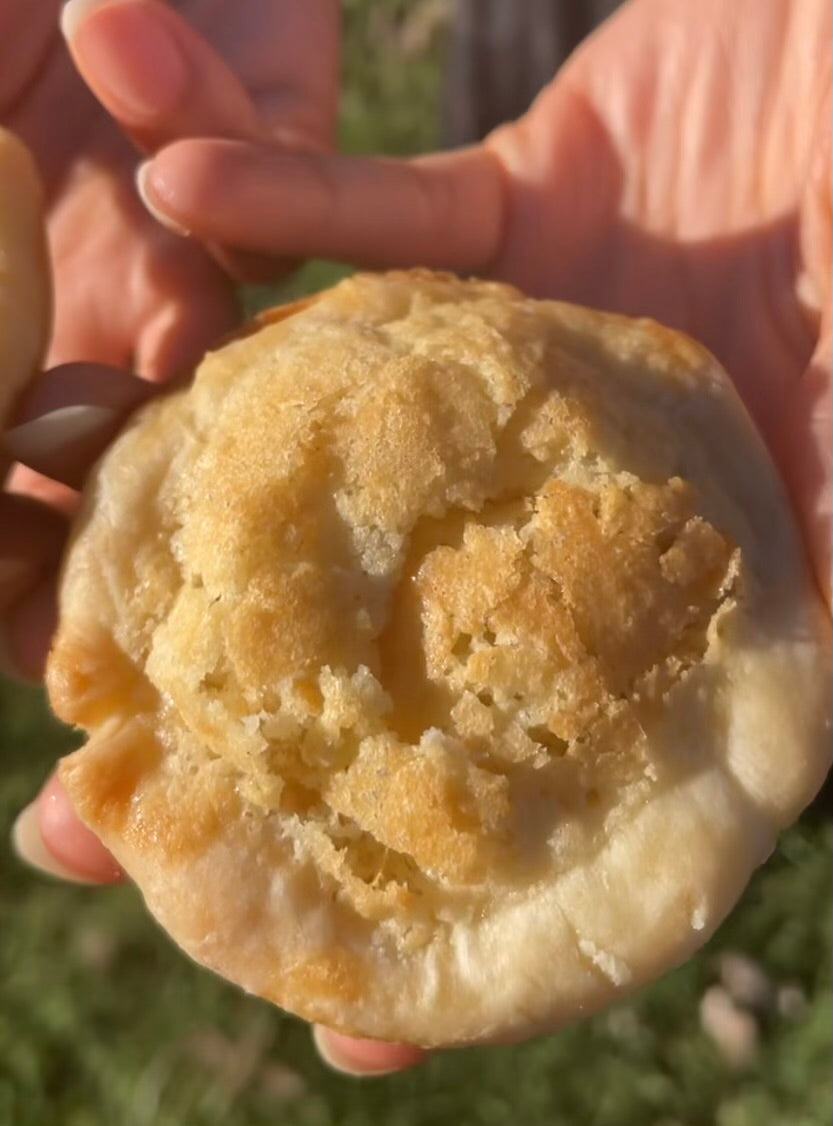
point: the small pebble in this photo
(232, 1062)
(746, 981)
(281, 1083)
(96, 948)
(791, 1002)
(734, 1032)
(623, 1024)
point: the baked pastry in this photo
(25, 304)
(449, 658)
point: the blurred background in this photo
(104, 1023)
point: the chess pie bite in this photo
(449, 658)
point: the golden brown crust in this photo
(273, 315)
(424, 609)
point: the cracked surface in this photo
(414, 608)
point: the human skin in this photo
(678, 167)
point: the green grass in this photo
(104, 1023)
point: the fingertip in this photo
(240, 266)
(83, 383)
(65, 440)
(68, 843)
(154, 73)
(361, 1058)
(27, 844)
(153, 203)
(74, 12)
(67, 418)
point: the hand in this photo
(127, 291)
(130, 293)
(678, 166)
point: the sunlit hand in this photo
(127, 291)
(678, 167)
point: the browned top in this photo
(413, 573)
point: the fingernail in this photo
(59, 430)
(28, 846)
(330, 1047)
(74, 12)
(144, 190)
(135, 61)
